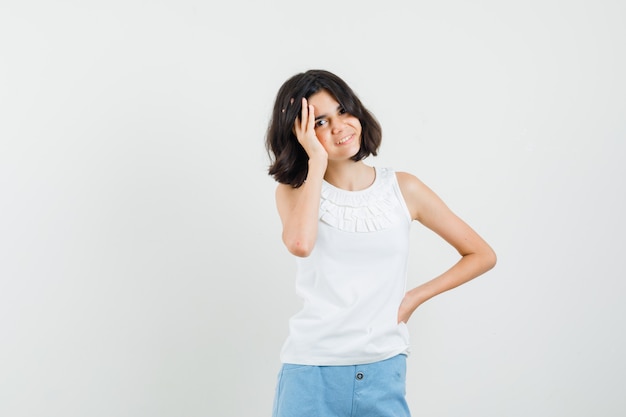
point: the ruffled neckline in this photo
(367, 210)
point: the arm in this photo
(477, 257)
(298, 208)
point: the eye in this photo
(342, 110)
(320, 122)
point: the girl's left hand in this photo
(407, 307)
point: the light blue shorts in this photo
(372, 390)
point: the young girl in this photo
(348, 223)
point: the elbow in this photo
(299, 247)
(490, 259)
(300, 253)
(299, 250)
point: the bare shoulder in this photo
(285, 192)
(284, 195)
(417, 195)
(408, 182)
(283, 189)
(411, 186)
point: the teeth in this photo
(343, 140)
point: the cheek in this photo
(323, 136)
(327, 144)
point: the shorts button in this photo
(359, 375)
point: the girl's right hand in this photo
(305, 132)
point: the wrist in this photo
(416, 297)
(317, 165)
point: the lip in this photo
(346, 140)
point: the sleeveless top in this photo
(353, 281)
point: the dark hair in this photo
(289, 159)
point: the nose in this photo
(336, 125)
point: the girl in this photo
(348, 223)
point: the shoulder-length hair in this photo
(289, 161)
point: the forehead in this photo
(323, 100)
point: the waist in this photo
(342, 339)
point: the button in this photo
(359, 375)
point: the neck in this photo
(350, 176)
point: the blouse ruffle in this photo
(367, 210)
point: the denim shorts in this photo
(373, 390)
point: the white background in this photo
(141, 268)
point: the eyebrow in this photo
(322, 116)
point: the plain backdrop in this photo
(141, 267)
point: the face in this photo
(338, 131)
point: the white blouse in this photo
(353, 281)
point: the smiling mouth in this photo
(344, 140)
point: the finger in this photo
(311, 121)
(304, 114)
(298, 124)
